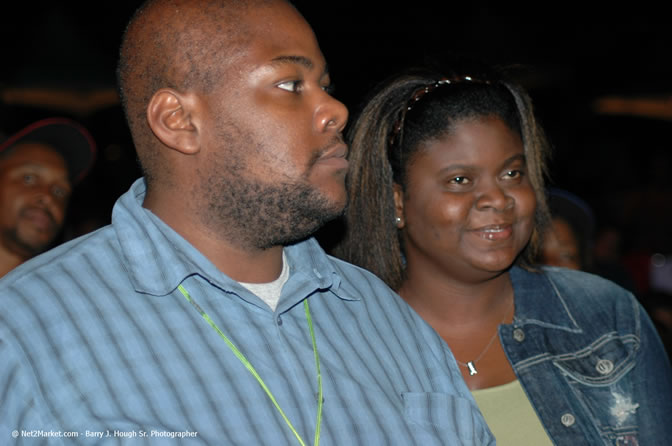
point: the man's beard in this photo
(259, 215)
(23, 247)
(255, 214)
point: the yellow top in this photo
(510, 415)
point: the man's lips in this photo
(335, 155)
(40, 218)
(494, 232)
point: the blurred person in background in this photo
(39, 165)
(567, 241)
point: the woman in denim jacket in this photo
(447, 205)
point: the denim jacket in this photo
(589, 359)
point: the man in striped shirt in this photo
(204, 313)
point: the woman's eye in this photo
(291, 86)
(29, 179)
(459, 180)
(513, 174)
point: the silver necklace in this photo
(471, 365)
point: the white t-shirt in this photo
(270, 292)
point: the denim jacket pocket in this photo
(598, 375)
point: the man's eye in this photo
(291, 86)
(59, 192)
(29, 179)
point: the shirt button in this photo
(279, 320)
(519, 334)
(604, 366)
(567, 419)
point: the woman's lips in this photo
(494, 232)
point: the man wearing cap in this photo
(38, 167)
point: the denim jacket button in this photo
(604, 366)
(567, 419)
(519, 334)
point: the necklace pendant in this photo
(472, 368)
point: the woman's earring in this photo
(397, 220)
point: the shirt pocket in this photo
(599, 378)
(440, 411)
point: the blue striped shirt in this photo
(96, 340)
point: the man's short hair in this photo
(172, 44)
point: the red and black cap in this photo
(66, 136)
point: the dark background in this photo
(59, 59)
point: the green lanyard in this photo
(254, 373)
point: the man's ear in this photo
(400, 221)
(171, 116)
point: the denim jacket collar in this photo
(539, 302)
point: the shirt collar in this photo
(158, 259)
